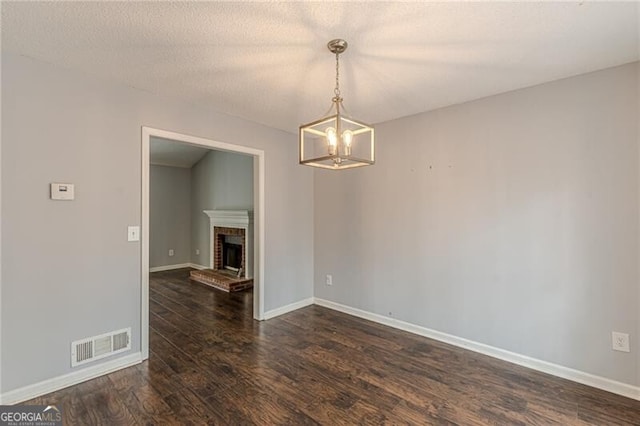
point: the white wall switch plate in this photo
(62, 191)
(171, 252)
(133, 233)
(197, 251)
(329, 280)
(620, 341)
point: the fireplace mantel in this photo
(231, 218)
(240, 219)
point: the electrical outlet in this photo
(197, 251)
(620, 341)
(133, 233)
(171, 252)
(329, 280)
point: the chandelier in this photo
(336, 141)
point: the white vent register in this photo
(97, 347)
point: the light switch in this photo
(133, 233)
(62, 191)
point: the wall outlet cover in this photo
(133, 233)
(620, 341)
(62, 191)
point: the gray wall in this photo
(170, 215)
(221, 180)
(68, 271)
(511, 221)
(636, 345)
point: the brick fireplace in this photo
(231, 241)
(228, 241)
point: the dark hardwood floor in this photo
(210, 363)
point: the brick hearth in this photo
(221, 280)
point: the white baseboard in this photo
(288, 308)
(588, 379)
(196, 266)
(169, 267)
(51, 385)
(177, 266)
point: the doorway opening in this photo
(200, 253)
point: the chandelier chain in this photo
(336, 91)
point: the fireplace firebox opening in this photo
(231, 256)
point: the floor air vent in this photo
(97, 347)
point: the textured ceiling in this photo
(267, 61)
(165, 152)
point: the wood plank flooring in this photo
(210, 363)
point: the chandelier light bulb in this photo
(332, 140)
(347, 139)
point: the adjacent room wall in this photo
(220, 181)
(637, 340)
(510, 221)
(170, 215)
(68, 271)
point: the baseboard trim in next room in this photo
(176, 266)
